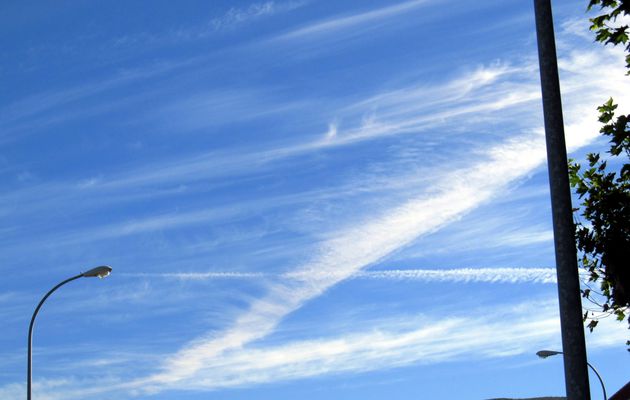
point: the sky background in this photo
(308, 199)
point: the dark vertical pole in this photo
(29, 360)
(573, 347)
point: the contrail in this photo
(197, 276)
(456, 275)
(464, 275)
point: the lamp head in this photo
(101, 272)
(547, 353)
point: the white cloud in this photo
(236, 16)
(526, 237)
(233, 18)
(498, 92)
(151, 223)
(43, 109)
(347, 252)
(392, 344)
(332, 131)
(332, 26)
(383, 347)
(48, 389)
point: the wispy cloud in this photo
(357, 247)
(236, 16)
(391, 113)
(43, 109)
(392, 343)
(151, 224)
(333, 25)
(397, 112)
(493, 93)
(349, 251)
(496, 92)
(54, 389)
(418, 341)
(230, 20)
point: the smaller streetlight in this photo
(549, 353)
(100, 272)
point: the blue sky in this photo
(299, 199)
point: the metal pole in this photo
(30, 334)
(549, 353)
(601, 381)
(574, 349)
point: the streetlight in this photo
(549, 353)
(100, 272)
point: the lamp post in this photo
(569, 299)
(549, 353)
(100, 272)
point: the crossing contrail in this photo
(455, 275)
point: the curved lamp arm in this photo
(549, 353)
(100, 272)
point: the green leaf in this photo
(620, 315)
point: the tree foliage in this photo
(604, 24)
(603, 223)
